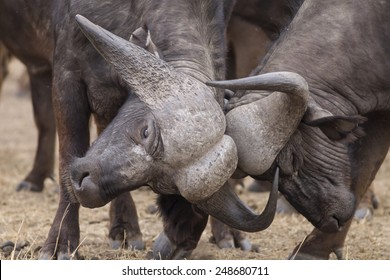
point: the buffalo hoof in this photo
(364, 213)
(230, 242)
(246, 245)
(369, 202)
(226, 237)
(164, 249)
(226, 243)
(28, 186)
(60, 256)
(8, 247)
(132, 243)
(313, 256)
(235, 239)
(59, 252)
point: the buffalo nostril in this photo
(87, 192)
(85, 174)
(337, 221)
(79, 180)
(340, 222)
(331, 225)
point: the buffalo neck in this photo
(190, 36)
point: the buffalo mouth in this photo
(329, 216)
(86, 192)
(84, 189)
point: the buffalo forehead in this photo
(190, 125)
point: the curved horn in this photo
(225, 206)
(288, 82)
(140, 69)
(207, 174)
(262, 127)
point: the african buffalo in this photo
(37, 55)
(33, 46)
(159, 123)
(329, 136)
(255, 25)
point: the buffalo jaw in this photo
(225, 206)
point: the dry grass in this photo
(25, 218)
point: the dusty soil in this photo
(26, 217)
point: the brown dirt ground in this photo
(27, 216)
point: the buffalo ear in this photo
(345, 129)
(141, 37)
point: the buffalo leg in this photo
(369, 202)
(124, 228)
(64, 234)
(227, 237)
(183, 227)
(44, 119)
(72, 118)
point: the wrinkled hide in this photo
(342, 60)
(26, 33)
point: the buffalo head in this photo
(168, 135)
(284, 126)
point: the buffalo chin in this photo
(87, 194)
(335, 220)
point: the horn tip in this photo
(83, 22)
(80, 19)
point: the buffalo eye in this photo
(144, 132)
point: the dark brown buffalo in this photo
(169, 131)
(33, 45)
(74, 136)
(167, 108)
(255, 25)
(330, 136)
